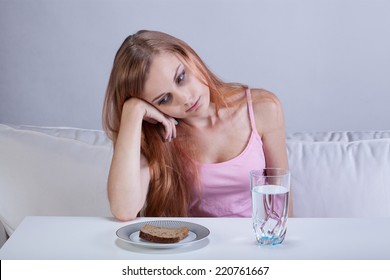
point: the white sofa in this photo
(63, 171)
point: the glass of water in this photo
(270, 188)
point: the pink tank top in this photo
(226, 185)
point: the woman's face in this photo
(174, 90)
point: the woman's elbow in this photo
(124, 216)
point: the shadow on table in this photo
(162, 251)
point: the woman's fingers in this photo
(173, 127)
(154, 116)
(169, 124)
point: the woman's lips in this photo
(194, 107)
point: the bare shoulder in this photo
(264, 98)
(268, 110)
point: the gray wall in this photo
(327, 60)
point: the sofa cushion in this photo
(3, 235)
(339, 175)
(338, 136)
(52, 171)
(88, 136)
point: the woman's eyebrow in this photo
(177, 70)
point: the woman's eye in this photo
(165, 99)
(181, 77)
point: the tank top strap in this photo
(250, 109)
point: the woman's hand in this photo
(152, 115)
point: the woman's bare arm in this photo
(129, 176)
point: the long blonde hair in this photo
(173, 171)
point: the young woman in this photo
(184, 141)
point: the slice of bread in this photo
(163, 234)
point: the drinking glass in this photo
(270, 188)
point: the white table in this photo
(230, 238)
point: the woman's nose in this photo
(186, 98)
